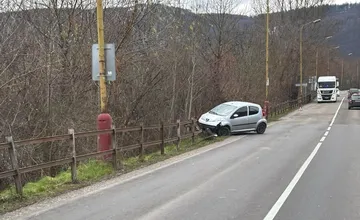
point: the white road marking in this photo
(326, 133)
(280, 202)
(322, 139)
(329, 128)
(332, 122)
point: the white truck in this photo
(327, 89)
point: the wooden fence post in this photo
(178, 133)
(142, 150)
(162, 145)
(73, 163)
(15, 165)
(193, 130)
(114, 147)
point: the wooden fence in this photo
(287, 106)
(11, 145)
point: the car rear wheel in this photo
(349, 107)
(261, 128)
(224, 131)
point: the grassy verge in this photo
(88, 173)
(46, 187)
(133, 163)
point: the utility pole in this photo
(301, 58)
(350, 54)
(328, 66)
(342, 72)
(267, 61)
(104, 120)
(328, 70)
(357, 72)
(301, 63)
(101, 42)
(316, 64)
(267, 49)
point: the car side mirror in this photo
(235, 115)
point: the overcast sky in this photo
(246, 6)
(242, 6)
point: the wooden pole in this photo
(114, 147)
(15, 165)
(193, 130)
(178, 133)
(142, 150)
(162, 145)
(101, 42)
(73, 163)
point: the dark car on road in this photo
(352, 91)
(354, 100)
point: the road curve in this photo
(241, 180)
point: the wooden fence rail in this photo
(284, 107)
(16, 171)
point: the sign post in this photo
(104, 120)
(110, 62)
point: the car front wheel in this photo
(261, 128)
(224, 131)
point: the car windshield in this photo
(223, 109)
(353, 90)
(326, 84)
(355, 97)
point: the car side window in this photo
(253, 110)
(242, 112)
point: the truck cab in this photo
(327, 89)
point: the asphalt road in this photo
(244, 179)
(330, 187)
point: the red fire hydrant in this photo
(266, 109)
(104, 122)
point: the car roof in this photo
(240, 103)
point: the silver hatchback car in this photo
(234, 116)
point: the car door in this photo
(239, 120)
(254, 116)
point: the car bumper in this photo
(326, 98)
(205, 127)
(354, 104)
